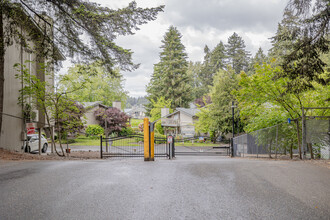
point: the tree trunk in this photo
(52, 135)
(291, 149)
(2, 63)
(311, 149)
(59, 137)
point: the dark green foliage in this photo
(213, 61)
(170, 78)
(237, 56)
(285, 36)
(126, 131)
(303, 64)
(94, 130)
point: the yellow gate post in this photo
(152, 141)
(146, 138)
(149, 140)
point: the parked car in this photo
(32, 143)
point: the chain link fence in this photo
(282, 141)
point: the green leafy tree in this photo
(170, 78)
(258, 59)
(237, 56)
(56, 106)
(155, 113)
(100, 85)
(263, 92)
(216, 118)
(73, 21)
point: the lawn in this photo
(86, 141)
(135, 122)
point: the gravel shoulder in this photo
(74, 155)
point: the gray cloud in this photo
(200, 22)
(254, 15)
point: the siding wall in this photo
(13, 129)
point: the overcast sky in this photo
(201, 22)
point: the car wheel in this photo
(44, 148)
(27, 149)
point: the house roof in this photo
(93, 104)
(189, 111)
(136, 108)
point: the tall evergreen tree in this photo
(170, 78)
(194, 72)
(258, 59)
(304, 64)
(238, 57)
(285, 36)
(213, 61)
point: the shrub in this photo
(94, 130)
(126, 131)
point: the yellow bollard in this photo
(146, 138)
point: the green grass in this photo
(135, 122)
(86, 141)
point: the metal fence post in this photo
(276, 142)
(303, 133)
(101, 147)
(257, 144)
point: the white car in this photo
(32, 143)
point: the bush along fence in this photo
(310, 141)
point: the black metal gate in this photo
(186, 146)
(131, 146)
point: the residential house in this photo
(180, 122)
(137, 111)
(90, 108)
(14, 127)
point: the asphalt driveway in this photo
(184, 188)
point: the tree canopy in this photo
(82, 30)
(99, 84)
(170, 78)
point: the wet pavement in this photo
(184, 188)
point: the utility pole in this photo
(233, 129)
(233, 114)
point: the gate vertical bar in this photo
(173, 147)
